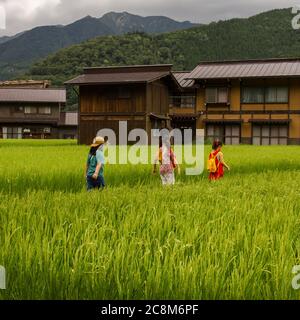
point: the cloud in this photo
(26, 14)
(28, 10)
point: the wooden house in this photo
(34, 113)
(250, 102)
(136, 94)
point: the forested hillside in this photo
(267, 35)
(17, 53)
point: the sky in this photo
(26, 14)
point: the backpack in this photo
(211, 164)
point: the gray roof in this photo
(32, 95)
(247, 69)
(123, 74)
(181, 76)
(117, 78)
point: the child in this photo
(168, 163)
(95, 165)
(217, 171)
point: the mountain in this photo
(267, 35)
(125, 22)
(18, 52)
(41, 41)
(7, 38)
(4, 39)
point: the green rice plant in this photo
(237, 238)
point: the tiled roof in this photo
(32, 95)
(181, 78)
(116, 75)
(247, 69)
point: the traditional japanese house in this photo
(251, 102)
(31, 112)
(136, 94)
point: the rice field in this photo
(238, 238)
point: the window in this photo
(188, 102)
(270, 135)
(216, 95)
(47, 130)
(175, 101)
(214, 132)
(222, 95)
(230, 134)
(265, 95)
(14, 133)
(253, 95)
(277, 95)
(44, 110)
(30, 110)
(19, 109)
(183, 101)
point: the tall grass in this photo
(234, 239)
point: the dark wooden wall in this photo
(89, 128)
(158, 97)
(102, 107)
(113, 99)
(9, 110)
